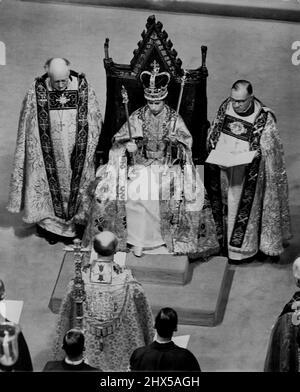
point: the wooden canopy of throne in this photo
(155, 45)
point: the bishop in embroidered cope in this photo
(59, 128)
(250, 202)
(116, 316)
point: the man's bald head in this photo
(59, 71)
(243, 85)
(58, 67)
(105, 243)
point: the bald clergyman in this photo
(249, 201)
(105, 244)
(59, 128)
(116, 314)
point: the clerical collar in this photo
(70, 362)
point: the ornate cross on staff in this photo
(183, 80)
(78, 292)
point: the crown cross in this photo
(155, 67)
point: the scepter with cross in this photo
(125, 102)
(173, 132)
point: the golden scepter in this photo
(125, 101)
(183, 79)
(173, 132)
(176, 216)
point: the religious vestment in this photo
(283, 348)
(249, 202)
(54, 158)
(163, 357)
(155, 197)
(117, 318)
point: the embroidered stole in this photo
(252, 133)
(46, 101)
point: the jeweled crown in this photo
(155, 83)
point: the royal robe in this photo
(54, 157)
(153, 198)
(249, 202)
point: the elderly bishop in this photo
(59, 128)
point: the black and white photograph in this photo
(150, 189)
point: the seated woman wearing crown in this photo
(150, 193)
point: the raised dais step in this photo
(200, 301)
(159, 268)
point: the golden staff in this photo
(169, 148)
(125, 101)
(78, 291)
(183, 80)
(176, 217)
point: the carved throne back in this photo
(155, 45)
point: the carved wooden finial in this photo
(155, 37)
(106, 45)
(150, 21)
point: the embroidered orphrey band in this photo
(213, 185)
(59, 100)
(249, 188)
(237, 128)
(43, 107)
(80, 144)
(47, 147)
